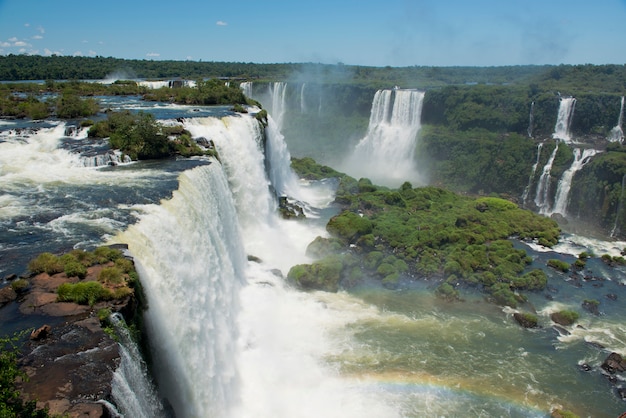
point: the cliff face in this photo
(70, 363)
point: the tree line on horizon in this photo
(610, 78)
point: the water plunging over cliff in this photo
(564, 119)
(277, 91)
(532, 174)
(386, 154)
(543, 187)
(617, 133)
(531, 118)
(565, 183)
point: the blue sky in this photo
(355, 32)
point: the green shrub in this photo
(558, 265)
(84, 293)
(111, 275)
(45, 263)
(447, 291)
(19, 284)
(104, 254)
(349, 226)
(75, 269)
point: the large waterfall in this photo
(230, 339)
(190, 256)
(386, 155)
(533, 171)
(564, 119)
(277, 92)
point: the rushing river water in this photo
(231, 339)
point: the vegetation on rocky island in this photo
(141, 137)
(425, 233)
(116, 280)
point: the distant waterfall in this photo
(565, 183)
(277, 91)
(246, 87)
(564, 119)
(281, 176)
(302, 101)
(132, 389)
(386, 154)
(620, 204)
(533, 171)
(531, 118)
(617, 133)
(543, 187)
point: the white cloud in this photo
(37, 37)
(189, 57)
(46, 51)
(22, 50)
(41, 30)
(153, 54)
(5, 44)
(78, 54)
(27, 24)
(221, 23)
(92, 53)
(21, 43)
(13, 39)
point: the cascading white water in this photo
(224, 349)
(246, 87)
(565, 183)
(564, 119)
(386, 154)
(532, 174)
(531, 118)
(543, 187)
(617, 133)
(189, 254)
(132, 388)
(277, 91)
(282, 177)
(620, 204)
(302, 101)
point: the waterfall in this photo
(281, 176)
(277, 92)
(239, 143)
(386, 154)
(564, 119)
(246, 87)
(565, 183)
(302, 101)
(615, 229)
(617, 133)
(532, 174)
(132, 388)
(543, 187)
(189, 254)
(531, 118)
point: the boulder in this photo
(525, 320)
(614, 363)
(40, 333)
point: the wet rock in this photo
(591, 306)
(525, 320)
(7, 294)
(614, 363)
(611, 296)
(40, 333)
(585, 367)
(73, 366)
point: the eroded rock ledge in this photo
(69, 360)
